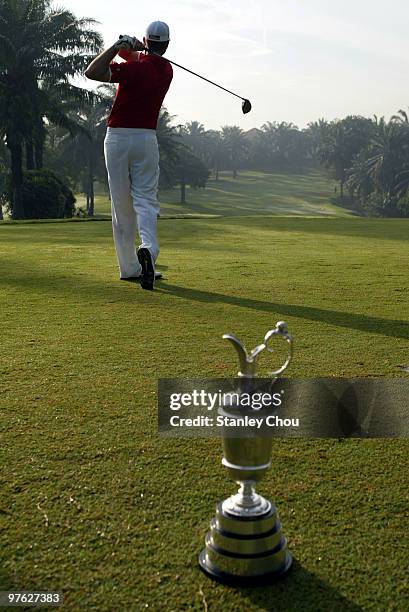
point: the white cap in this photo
(157, 31)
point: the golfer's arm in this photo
(98, 70)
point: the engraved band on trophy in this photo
(245, 545)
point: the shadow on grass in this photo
(365, 323)
(12, 222)
(300, 590)
(110, 291)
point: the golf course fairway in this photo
(97, 505)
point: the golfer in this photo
(131, 147)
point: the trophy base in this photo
(245, 551)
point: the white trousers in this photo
(132, 161)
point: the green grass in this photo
(96, 504)
(252, 193)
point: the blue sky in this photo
(295, 61)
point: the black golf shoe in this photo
(134, 279)
(148, 271)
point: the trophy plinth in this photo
(245, 551)
(245, 545)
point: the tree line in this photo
(52, 131)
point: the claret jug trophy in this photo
(245, 545)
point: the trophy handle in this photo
(281, 329)
(246, 366)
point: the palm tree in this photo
(380, 173)
(213, 151)
(359, 181)
(334, 153)
(342, 141)
(316, 131)
(402, 117)
(266, 145)
(235, 144)
(59, 104)
(81, 150)
(40, 49)
(194, 137)
(285, 135)
(190, 170)
(389, 154)
(169, 140)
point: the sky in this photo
(296, 61)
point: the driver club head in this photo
(246, 106)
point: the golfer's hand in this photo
(129, 43)
(125, 42)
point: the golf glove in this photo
(129, 42)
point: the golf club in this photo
(246, 105)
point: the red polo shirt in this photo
(143, 83)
